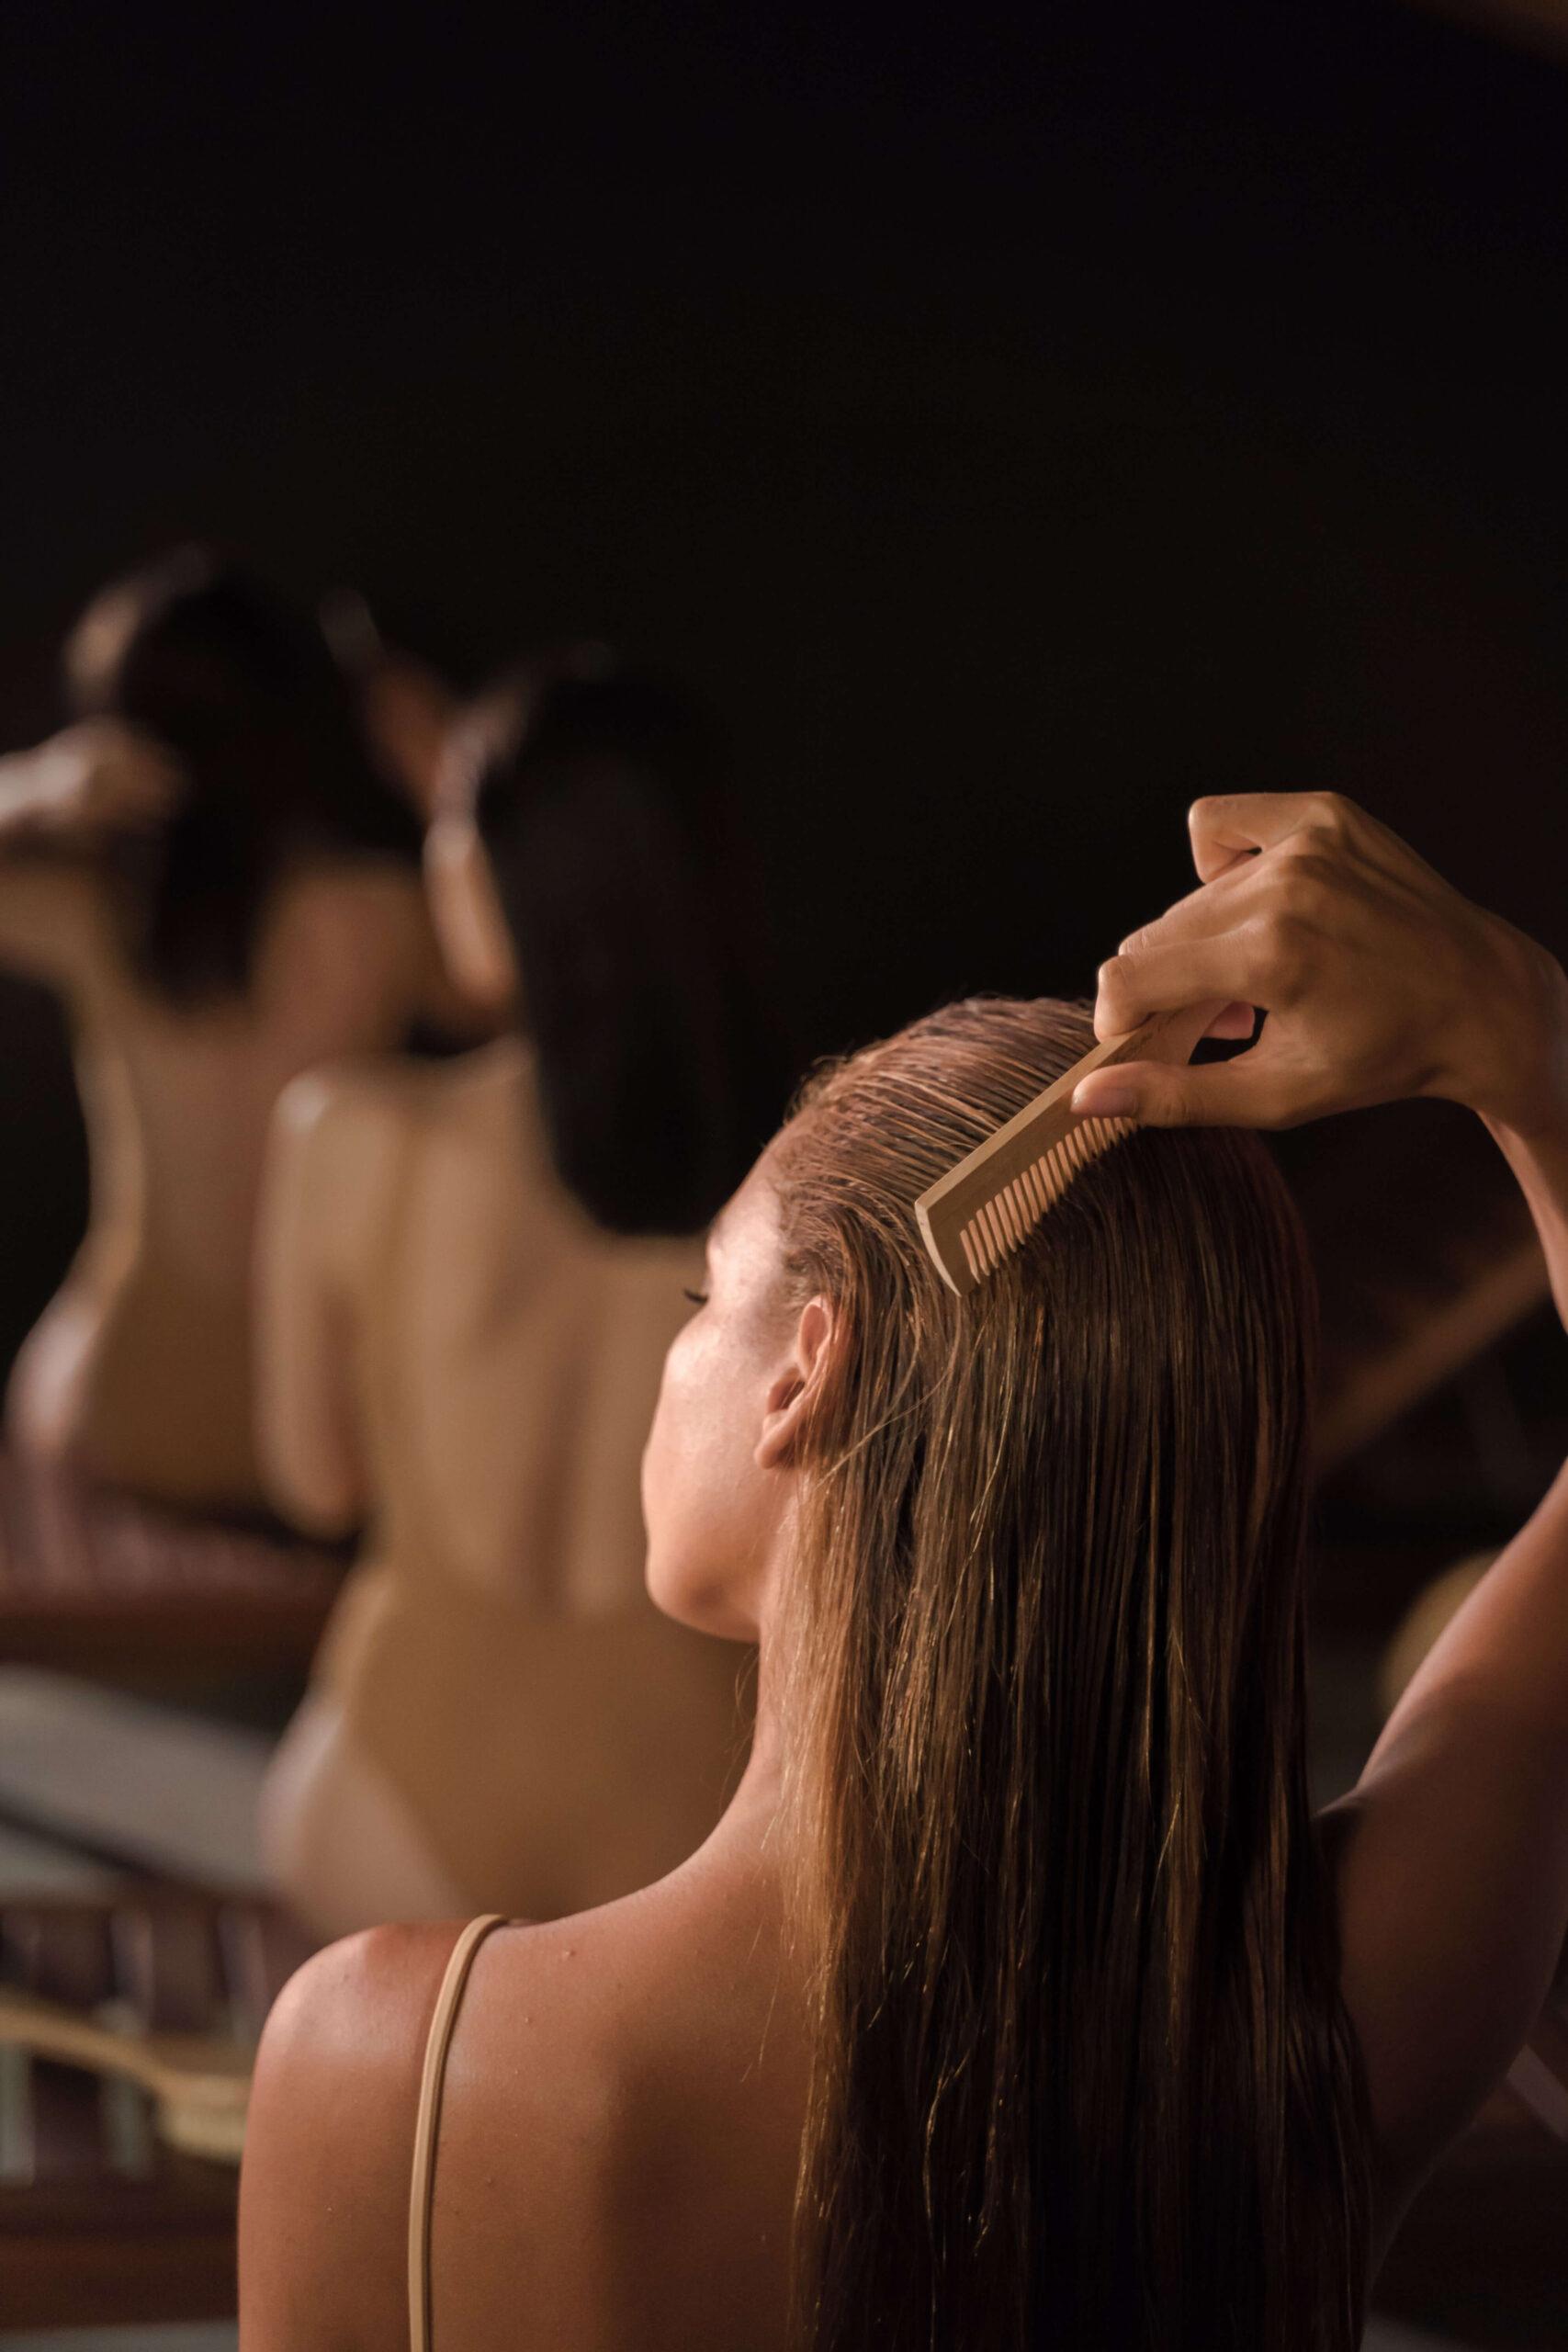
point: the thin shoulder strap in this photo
(422, 2189)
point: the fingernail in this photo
(1107, 1103)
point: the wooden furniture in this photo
(97, 1584)
(99, 2218)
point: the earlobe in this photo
(797, 1392)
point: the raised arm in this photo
(58, 803)
(1380, 983)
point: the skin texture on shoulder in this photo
(324, 2192)
(581, 2130)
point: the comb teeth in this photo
(980, 1211)
(1002, 1223)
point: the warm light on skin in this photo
(720, 1474)
(459, 884)
(466, 913)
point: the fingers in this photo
(1213, 905)
(1231, 968)
(1240, 879)
(1241, 1093)
(1230, 825)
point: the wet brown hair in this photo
(1082, 2074)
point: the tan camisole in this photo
(422, 2186)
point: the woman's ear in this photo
(467, 912)
(798, 1390)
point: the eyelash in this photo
(697, 1297)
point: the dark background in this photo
(1016, 421)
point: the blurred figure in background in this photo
(407, 707)
(468, 1288)
(211, 873)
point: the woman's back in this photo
(495, 1660)
(211, 871)
(511, 1351)
(140, 1372)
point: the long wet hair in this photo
(1083, 2077)
(603, 802)
(240, 684)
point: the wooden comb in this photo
(980, 1211)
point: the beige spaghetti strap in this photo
(422, 2189)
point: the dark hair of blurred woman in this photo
(240, 685)
(599, 801)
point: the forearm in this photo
(1508, 1648)
(1540, 1161)
(1503, 1655)
(1508, 1644)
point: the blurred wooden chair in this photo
(97, 1584)
(100, 2221)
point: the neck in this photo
(751, 1831)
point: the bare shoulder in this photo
(339, 1131)
(324, 2192)
(57, 923)
(613, 2020)
(352, 1121)
(362, 1101)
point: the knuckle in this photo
(1331, 813)
(1307, 877)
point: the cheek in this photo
(703, 1493)
(661, 1454)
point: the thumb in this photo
(1169, 1095)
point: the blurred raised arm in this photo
(60, 802)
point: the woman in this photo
(468, 1288)
(1017, 2001)
(207, 870)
